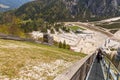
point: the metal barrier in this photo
(110, 71)
(79, 70)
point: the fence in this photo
(110, 71)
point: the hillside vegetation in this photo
(42, 14)
(69, 10)
(110, 26)
(25, 60)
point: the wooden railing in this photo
(79, 70)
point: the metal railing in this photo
(109, 70)
(79, 70)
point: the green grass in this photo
(114, 31)
(14, 55)
(110, 26)
(74, 28)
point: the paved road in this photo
(96, 72)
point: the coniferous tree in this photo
(60, 44)
(64, 44)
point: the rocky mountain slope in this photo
(72, 10)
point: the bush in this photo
(52, 31)
(68, 47)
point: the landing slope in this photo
(26, 61)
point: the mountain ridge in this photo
(71, 10)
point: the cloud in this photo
(4, 6)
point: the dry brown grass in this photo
(15, 55)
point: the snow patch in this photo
(4, 6)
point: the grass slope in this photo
(74, 28)
(111, 25)
(15, 56)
